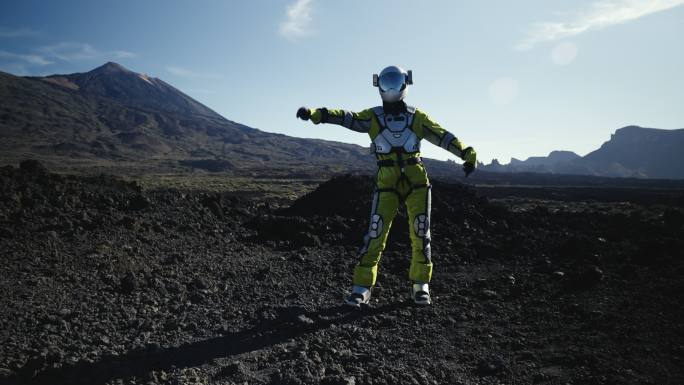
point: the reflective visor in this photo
(392, 80)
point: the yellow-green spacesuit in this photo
(395, 130)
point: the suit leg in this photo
(418, 205)
(383, 211)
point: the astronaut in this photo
(395, 130)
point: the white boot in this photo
(420, 292)
(359, 295)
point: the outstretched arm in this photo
(356, 121)
(435, 134)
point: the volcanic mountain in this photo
(115, 117)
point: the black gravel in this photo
(104, 283)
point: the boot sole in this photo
(419, 303)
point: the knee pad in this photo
(421, 226)
(376, 225)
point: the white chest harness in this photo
(395, 132)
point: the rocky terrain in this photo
(105, 283)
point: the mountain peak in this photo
(110, 67)
(114, 81)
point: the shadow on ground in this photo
(291, 322)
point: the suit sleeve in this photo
(435, 134)
(355, 121)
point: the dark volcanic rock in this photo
(33, 167)
(338, 211)
(491, 365)
(586, 277)
(347, 196)
(199, 287)
(139, 202)
(128, 283)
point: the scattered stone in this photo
(586, 277)
(305, 320)
(543, 267)
(510, 279)
(339, 380)
(200, 283)
(129, 222)
(197, 297)
(233, 369)
(594, 275)
(139, 202)
(33, 167)
(129, 283)
(526, 355)
(491, 365)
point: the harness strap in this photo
(390, 163)
(414, 161)
(403, 197)
(388, 190)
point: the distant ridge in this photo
(632, 151)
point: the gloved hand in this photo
(470, 157)
(304, 113)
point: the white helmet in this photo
(392, 83)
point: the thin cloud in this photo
(124, 54)
(189, 74)
(70, 51)
(298, 20)
(37, 60)
(17, 32)
(74, 51)
(599, 15)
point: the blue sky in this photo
(512, 79)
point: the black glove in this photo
(470, 158)
(468, 168)
(304, 113)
